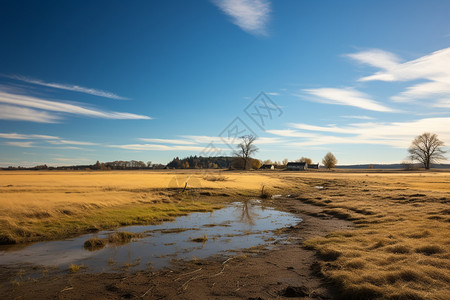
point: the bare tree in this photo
(246, 148)
(427, 149)
(329, 160)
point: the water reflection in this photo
(246, 216)
(240, 225)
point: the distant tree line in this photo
(216, 162)
(114, 165)
(200, 162)
(126, 165)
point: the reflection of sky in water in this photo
(241, 225)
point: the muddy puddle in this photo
(197, 235)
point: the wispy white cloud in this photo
(72, 159)
(424, 90)
(18, 136)
(308, 127)
(196, 143)
(168, 141)
(251, 16)
(66, 148)
(157, 147)
(444, 103)
(358, 117)
(15, 113)
(272, 93)
(376, 58)
(291, 133)
(69, 87)
(204, 139)
(347, 96)
(41, 107)
(67, 142)
(395, 134)
(268, 141)
(42, 141)
(433, 69)
(20, 144)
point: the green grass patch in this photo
(99, 219)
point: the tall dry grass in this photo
(48, 205)
(400, 248)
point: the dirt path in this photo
(285, 271)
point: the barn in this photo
(301, 166)
(297, 166)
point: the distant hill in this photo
(388, 166)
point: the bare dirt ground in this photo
(285, 271)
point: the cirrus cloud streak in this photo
(29, 108)
(250, 15)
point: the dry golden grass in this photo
(400, 248)
(48, 205)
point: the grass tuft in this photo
(75, 268)
(123, 237)
(399, 249)
(94, 244)
(201, 239)
(214, 178)
(430, 249)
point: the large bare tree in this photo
(427, 149)
(246, 148)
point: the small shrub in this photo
(75, 268)
(123, 237)
(399, 249)
(93, 244)
(215, 178)
(429, 249)
(201, 239)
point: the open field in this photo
(48, 205)
(399, 247)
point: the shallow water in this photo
(238, 226)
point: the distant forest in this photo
(200, 162)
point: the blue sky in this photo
(150, 80)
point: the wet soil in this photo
(285, 271)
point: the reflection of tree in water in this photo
(246, 216)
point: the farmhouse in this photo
(301, 166)
(297, 166)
